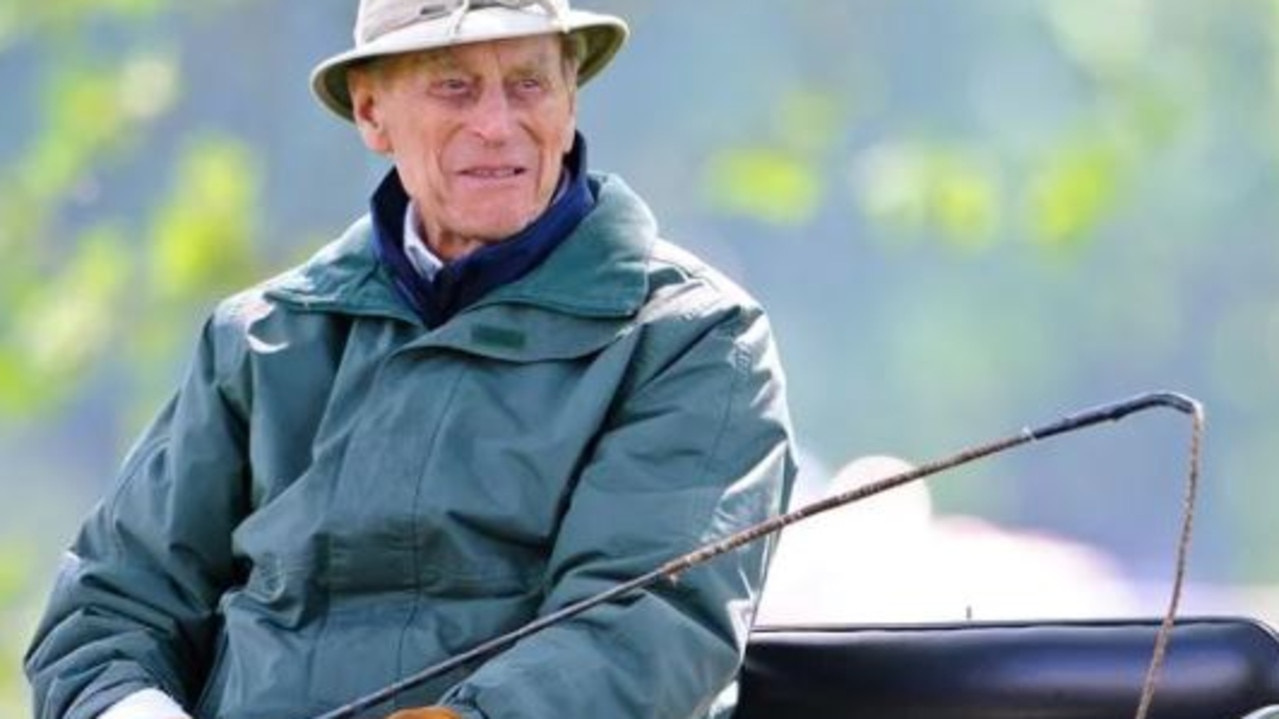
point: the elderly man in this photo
(496, 395)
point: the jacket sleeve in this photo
(696, 450)
(134, 602)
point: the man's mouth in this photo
(493, 173)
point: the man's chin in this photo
(499, 223)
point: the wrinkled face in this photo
(478, 133)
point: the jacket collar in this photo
(599, 271)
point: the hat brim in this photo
(603, 34)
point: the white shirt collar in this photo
(420, 256)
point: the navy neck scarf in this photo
(461, 282)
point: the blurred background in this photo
(964, 217)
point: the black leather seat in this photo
(1216, 668)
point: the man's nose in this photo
(494, 119)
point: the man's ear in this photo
(366, 109)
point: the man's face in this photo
(478, 133)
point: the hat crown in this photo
(377, 18)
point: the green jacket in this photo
(337, 497)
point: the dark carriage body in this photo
(1216, 668)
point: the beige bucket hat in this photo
(391, 27)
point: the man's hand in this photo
(425, 713)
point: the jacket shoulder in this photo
(279, 315)
(694, 313)
(684, 285)
(337, 274)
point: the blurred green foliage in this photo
(915, 188)
(75, 286)
(62, 325)
(778, 182)
(17, 600)
(765, 183)
(81, 290)
(201, 239)
(1074, 192)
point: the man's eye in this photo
(529, 84)
(452, 86)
